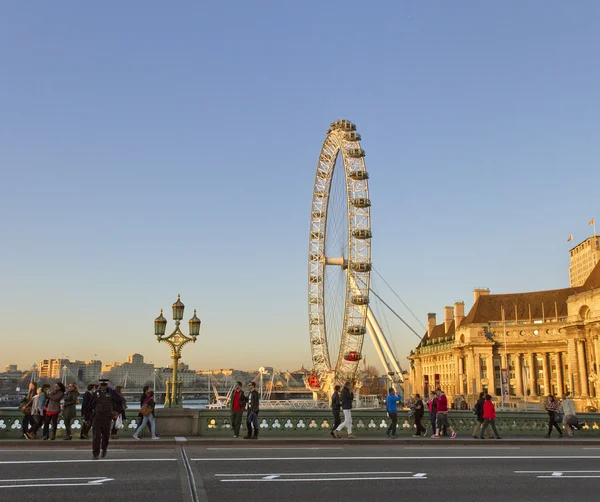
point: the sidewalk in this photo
(171, 441)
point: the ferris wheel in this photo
(340, 266)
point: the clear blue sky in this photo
(149, 149)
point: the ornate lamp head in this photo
(194, 326)
(160, 324)
(178, 308)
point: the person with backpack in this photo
(336, 407)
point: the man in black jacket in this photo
(253, 409)
(335, 408)
(478, 410)
(86, 414)
(103, 409)
(346, 401)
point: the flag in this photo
(592, 222)
(570, 238)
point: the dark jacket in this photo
(419, 412)
(479, 409)
(143, 399)
(104, 404)
(335, 402)
(85, 404)
(346, 399)
(69, 410)
(253, 401)
(241, 400)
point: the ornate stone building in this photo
(548, 341)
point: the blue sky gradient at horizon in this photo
(148, 150)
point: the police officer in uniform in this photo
(103, 409)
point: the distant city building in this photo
(77, 371)
(133, 373)
(584, 258)
(11, 368)
(552, 345)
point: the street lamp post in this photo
(176, 340)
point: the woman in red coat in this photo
(489, 417)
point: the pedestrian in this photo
(121, 407)
(253, 410)
(336, 407)
(441, 417)
(569, 416)
(52, 410)
(70, 408)
(432, 410)
(346, 399)
(489, 417)
(552, 408)
(238, 403)
(26, 407)
(478, 410)
(143, 398)
(39, 408)
(86, 412)
(419, 412)
(103, 408)
(149, 417)
(391, 406)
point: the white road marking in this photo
(562, 474)
(180, 439)
(285, 448)
(557, 473)
(497, 457)
(79, 460)
(348, 473)
(486, 448)
(42, 450)
(281, 480)
(420, 475)
(271, 477)
(90, 482)
(546, 472)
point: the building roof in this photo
(593, 280)
(525, 306)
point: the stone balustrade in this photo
(306, 423)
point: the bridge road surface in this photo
(340, 470)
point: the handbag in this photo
(145, 410)
(119, 422)
(573, 422)
(25, 407)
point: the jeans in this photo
(47, 420)
(392, 428)
(486, 422)
(347, 422)
(236, 421)
(432, 420)
(252, 422)
(418, 424)
(336, 419)
(147, 419)
(28, 421)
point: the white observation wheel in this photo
(354, 257)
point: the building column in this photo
(582, 368)
(491, 375)
(596, 343)
(532, 377)
(573, 368)
(559, 377)
(547, 374)
(519, 375)
(459, 374)
(470, 373)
